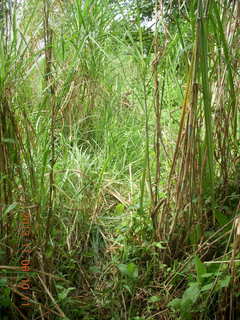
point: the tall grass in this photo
(119, 152)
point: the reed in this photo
(120, 142)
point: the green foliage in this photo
(79, 138)
(210, 281)
(185, 305)
(63, 294)
(200, 269)
(129, 270)
(5, 299)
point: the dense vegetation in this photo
(119, 159)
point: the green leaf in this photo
(129, 270)
(158, 245)
(175, 304)
(63, 292)
(200, 268)
(221, 218)
(207, 287)
(184, 305)
(127, 288)
(3, 282)
(195, 235)
(191, 295)
(10, 208)
(132, 270)
(119, 208)
(5, 300)
(208, 275)
(154, 299)
(89, 253)
(94, 269)
(225, 282)
(122, 268)
(8, 140)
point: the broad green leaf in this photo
(122, 268)
(191, 295)
(175, 304)
(130, 270)
(200, 268)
